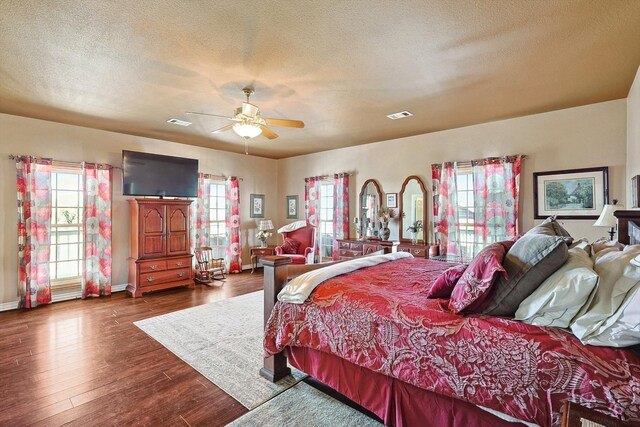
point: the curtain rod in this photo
(59, 162)
(209, 175)
(331, 174)
(470, 162)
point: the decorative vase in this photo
(414, 238)
(263, 243)
(384, 231)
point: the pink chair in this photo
(306, 236)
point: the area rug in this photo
(222, 341)
(303, 405)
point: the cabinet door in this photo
(152, 230)
(178, 230)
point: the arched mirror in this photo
(413, 207)
(370, 202)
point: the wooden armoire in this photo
(160, 253)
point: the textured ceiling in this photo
(340, 66)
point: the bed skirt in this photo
(397, 403)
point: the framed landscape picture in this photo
(257, 206)
(571, 194)
(292, 207)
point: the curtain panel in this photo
(340, 209)
(234, 246)
(447, 223)
(312, 208)
(33, 184)
(496, 185)
(97, 193)
(200, 220)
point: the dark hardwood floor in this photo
(84, 363)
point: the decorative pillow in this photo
(562, 294)
(617, 278)
(601, 244)
(444, 284)
(474, 287)
(532, 259)
(290, 246)
(551, 227)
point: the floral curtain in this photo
(447, 223)
(496, 184)
(200, 214)
(312, 207)
(96, 274)
(33, 184)
(340, 209)
(234, 248)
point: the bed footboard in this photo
(275, 278)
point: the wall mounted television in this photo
(146, 174)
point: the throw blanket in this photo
(298, 290)
(292, 227)
(381, 319)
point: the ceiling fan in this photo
(248, 121)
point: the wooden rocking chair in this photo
(208, 269)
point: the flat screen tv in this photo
(147, 174)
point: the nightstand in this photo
(257, 252)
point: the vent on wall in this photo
(400, 115)
(179, 122)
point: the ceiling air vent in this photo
(178, 122)
(400, 115)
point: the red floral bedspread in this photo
(379, 318)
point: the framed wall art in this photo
(392, 200)
(292, 207)
(257, 206)
(571, 194)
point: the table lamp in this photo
(607, 219)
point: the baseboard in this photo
(119, 288)
(6, 306)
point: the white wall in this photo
(633, 135)
(588, 136)
(19, 135)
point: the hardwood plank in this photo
(83, 362)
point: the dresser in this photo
(417, 250)
(348, 248)
(160, 255)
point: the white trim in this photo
(119, 288)
(11, 305)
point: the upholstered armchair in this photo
(298, 242)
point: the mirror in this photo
(370, 202)
(413, 207)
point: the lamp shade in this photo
(606, 218)
(247, 130)
(265, 225)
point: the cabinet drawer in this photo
(178, 263)
(150, 279)
(151, 266)
(369, 249)
(404, 249)
(349, 254)
(343, 245)
(355, 246)
(419, 252)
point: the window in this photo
(327, 233)
(67, 226)
(465, 196)
(218, 226)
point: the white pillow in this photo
(562, 294)
(611, 292)
(622, 329)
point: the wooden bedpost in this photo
(275, 278)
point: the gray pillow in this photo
(532, 259)
(551, 227)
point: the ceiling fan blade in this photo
(212, 115)
(223, 129)
(268, 132)
(285, 122)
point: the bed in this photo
(373, 336)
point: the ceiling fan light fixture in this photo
(247, 130)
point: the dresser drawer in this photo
(151, 266)
(349, 254)
(369, 249)
(415, 250)
(355, 246)
(178, 263)
(150, 279)
(343, 245)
